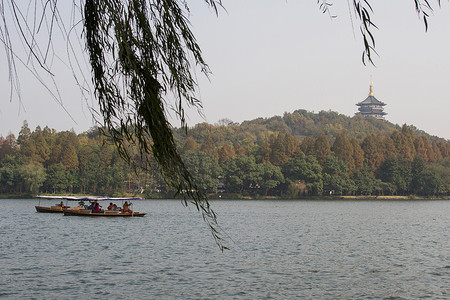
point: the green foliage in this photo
(32, 177)
(306, 169)
(366, 183)
(336, 179)
(272, 177)
(56, 181)
(9, 174)
(205, 169)
(248, 158)
(397, 171)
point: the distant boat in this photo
(85, 210)
(51, 209)
(57, 208)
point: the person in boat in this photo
(91, 205)
(97, 207)
(61, 204)
(112, 206)
(126, 207)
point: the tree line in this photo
(281, 156)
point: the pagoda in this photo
(371, 107)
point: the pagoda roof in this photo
(373, 113)
(371, 100)
(369, 109)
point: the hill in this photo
(294, 155)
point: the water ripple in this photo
(280, 250)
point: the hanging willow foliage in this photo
(139, 51)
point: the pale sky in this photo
(269, 57)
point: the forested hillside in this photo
(299, 154)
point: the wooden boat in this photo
(57, 208)
(51, 209)
(82, 210)
(106, 213)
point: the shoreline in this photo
(213, 197)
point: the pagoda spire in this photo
(371, 107)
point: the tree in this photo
(372, 153)
(343, 149)
(33, 177)
(42, 147)
(279, 153)
(271, 177)
(366, 183)
(9, 176)
(243, 174)
(190, 145)
(56, 179)
(7, 146)
(442, 171)
(358, 154)
(68, 156)
(205, 169)
(306, 169)
(423, 148)
(208, 146)
(226, 152)
(307, 145)
(396, 171)
(321, 148)
(26, 144)
(402, 146)
(336, 177)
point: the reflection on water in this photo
(279, 250)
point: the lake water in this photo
(279, 250)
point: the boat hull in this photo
(85, 213)
(46, 209)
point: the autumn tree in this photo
(26, 144)
(7, 146)
(307, 145)
(265, 150)
(208, 146)
(226, 152)
(373, 155)
(343, 149)
(437, 155)
(321, 148)
(358, 154)
(42, 148)
(279, 153)
(402, 146)
(423, 148)
(190, 144)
